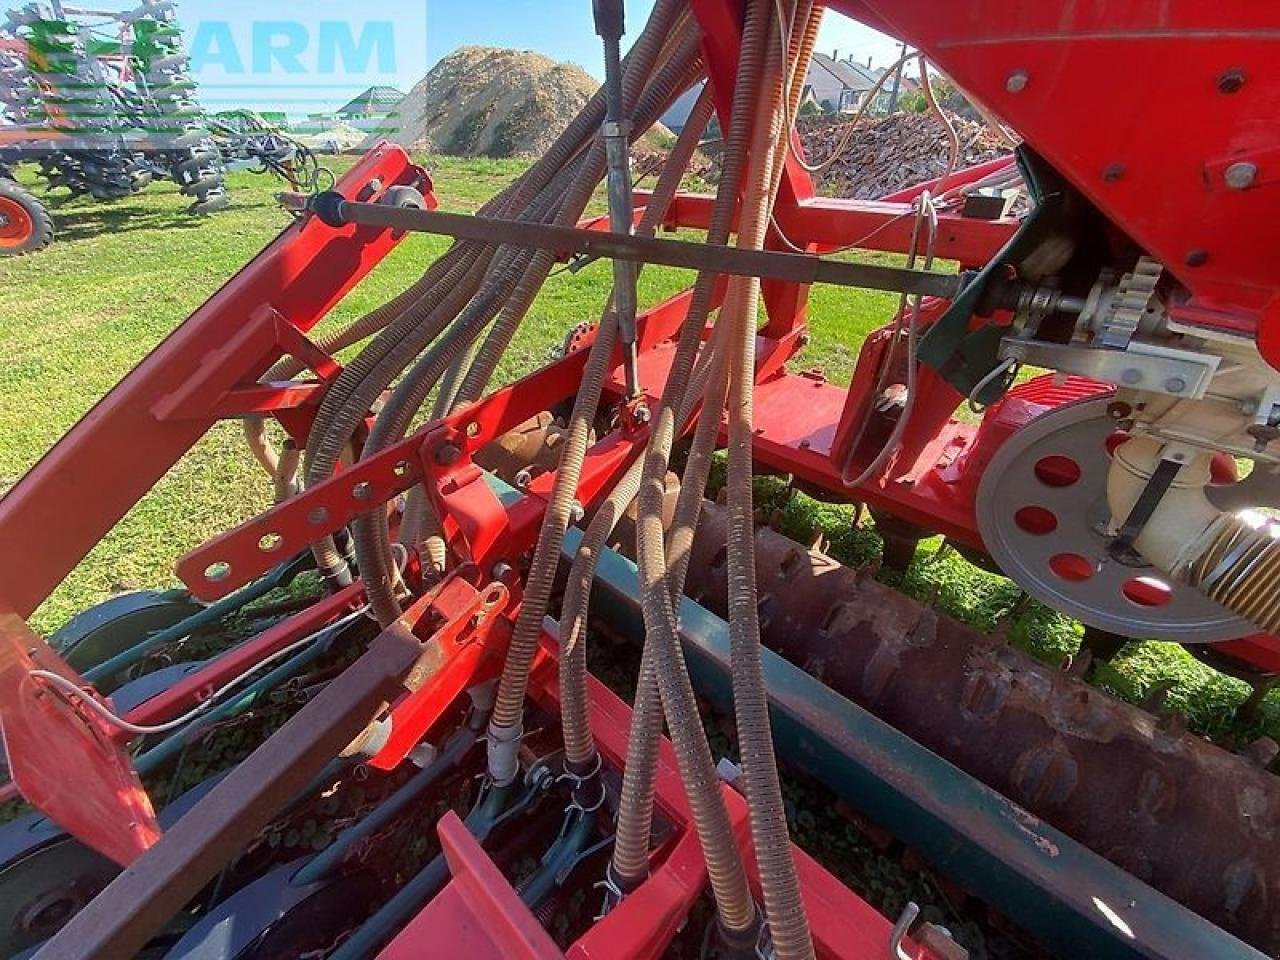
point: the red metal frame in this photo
(1210, 60)
(49, 736)
(83, 486)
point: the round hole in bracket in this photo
(1072, 567)
(1057, 471)
(270, 542)
(473, 429)
(1115, 440)
(217, 572)
(1036, 521)
(1147, 592)
(317, 516)
(401, 469)
(362, 490)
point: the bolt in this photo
(642, 414)
(805, 339)
(523, 479)
(362, 491)
(1175, 384)
(501, 571)
(447, 454)
(1113, 172)
(1017, 81)
(1131, 376)
(1119, 410)
(1231, 81)
(1197, 257)
(576, 512)
(1241, 176)
(1263, 435)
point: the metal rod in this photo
(328, 860)
(766, 264)
(279, 577)
(610, 26)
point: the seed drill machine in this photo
(486, 629)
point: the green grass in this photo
(121, 276)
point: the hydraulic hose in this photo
(369, 373)
(512, 291)
(664, 681)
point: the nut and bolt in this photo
(1241, 176)
(1119, 410)
(447, 454)
(1017, 81)
(1263, 436)
(642, 414)
(523, 479)
(1175, 385)
(576, 512)
(1131, 376)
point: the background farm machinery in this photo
(103, 103)
(453, 780)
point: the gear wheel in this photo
(1130, 301)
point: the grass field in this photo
(122, 276)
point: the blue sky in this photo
(314, 56)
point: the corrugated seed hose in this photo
(580, 751)
(506, 723)
(630, 863)
(370, 530)
(784, 909)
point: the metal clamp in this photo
(936, 939)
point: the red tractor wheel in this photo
(25, 224)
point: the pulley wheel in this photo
(1043, 514)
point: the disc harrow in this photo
(376, 721)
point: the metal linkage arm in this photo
(793, 267)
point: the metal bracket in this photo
(1143, 366)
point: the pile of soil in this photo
(492, 102)
(890, 153)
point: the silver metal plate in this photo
(1042, 511)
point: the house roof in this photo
(843, 72)
(373, 100)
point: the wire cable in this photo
(71, 689)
